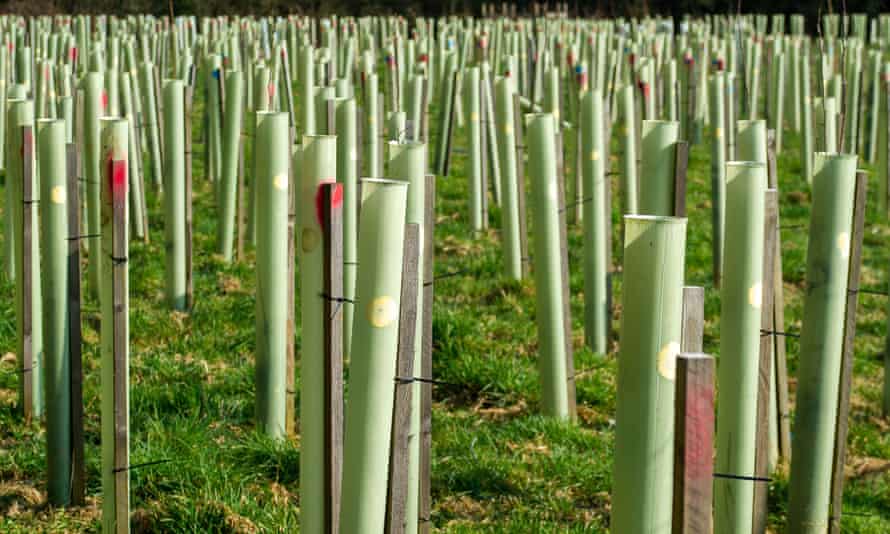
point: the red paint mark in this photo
(73, 53)
(570, 58)
(645, 88)
(271, 90)
(632, 58)
(336, 198)
(103, 101)
(118, 171)
(424, 58)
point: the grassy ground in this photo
(497, 466)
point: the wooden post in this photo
(780, 372)
(682, 162)
(78, 482)
(519, 128)
(761, 451)
(189, 230)
(24, 270)
(426, 366)
(693, 444)
(566, 290)
(290, 406)
(846, 378)
(398, 455)
(693, 319)
(332, 231)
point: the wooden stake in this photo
(693, 444)
(846, 378)
(332, 231)
(398, 456)
(566, 290)
(693, 319)
(426, 365)
(780, 373)
(78, 481)
(290, 406)
(761, 451)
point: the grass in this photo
(497, 466)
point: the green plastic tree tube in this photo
(347, 174)
(876, 93)
(54, 268)
(306, 76)
(830, 134)
(92, 109)
(174, 193)
(371, 132)
(510, 192)
(319, 166)
(630, 198)
(396, 126)
(149, 119)
(548, 269)
(262, 101)
(414, 104)
(214, 128)
(322, 95)
(808, 123)
(135, 176)
(273, 156)
(821, 340)
(368, 421)
(737, 375)
(657, 167)
(652, 302)
(474, 162)
(114, 134)
(21, 113)
(777, 115)
(596, 311)
(718, 171)
(408, 163)
(751, 140)
(445, 111)
(490, 132)
(234, 107)
(16, 92)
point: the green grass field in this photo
(497, 465)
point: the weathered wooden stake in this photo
(764, 382)
(78, 482)
(426, 365)
(332, 235)
(693, 441)
(401, 413)
(693, 319)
